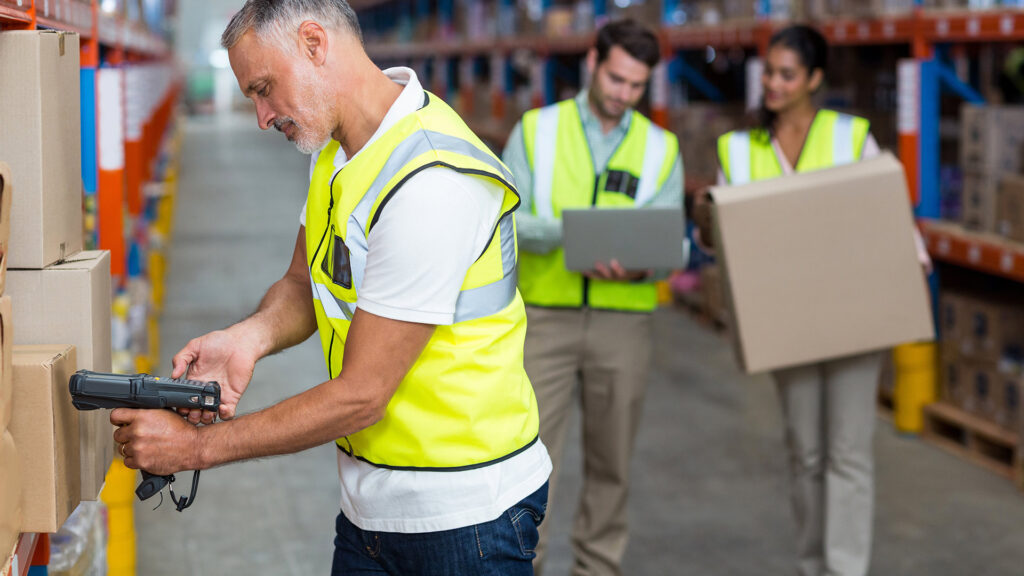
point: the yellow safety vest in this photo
(467, 401)
(564, 178)
(834, 139)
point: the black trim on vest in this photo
(330, 353)
(441, 469)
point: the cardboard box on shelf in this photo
(726, 11)
(6, 194)
(994, 325)
(954, 389)
(1010, 207)
(558, 21)
(698, 127)
(39, 86)
(648, 12)
(1008, 406)
(979, 196)
(66, 303)
(6, 357)
(953, 315)
(70, 303)
(10, 495)
(837, 290)
(990, 139)
(45, 430)
(981, 380)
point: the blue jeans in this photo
(501, 547)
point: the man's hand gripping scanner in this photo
(95, 390)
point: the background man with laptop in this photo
(593, 327)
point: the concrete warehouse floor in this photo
(710, 492)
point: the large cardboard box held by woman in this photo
(821, 265)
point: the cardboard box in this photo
(70, 303)
(6, 193)
(821, 265)
(10, 495)
(1010, 207)
(978, 200)
(953, 312)
(45, 430)
(991, 138)
(993, 326)
(1007, 392)
(66, 303)
(981, 396)
(954, 391)
(41, 140)
(6, 357)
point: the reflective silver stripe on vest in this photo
(486, 300)
(492, 298)
(544, 143)
(842, 140)
(739, 158)
(333, 307)
(508, 244)
(654, 159)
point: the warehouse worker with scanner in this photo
(405, 264)
(592, 329)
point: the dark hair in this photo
(812, 49)
(636, 39)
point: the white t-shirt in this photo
(418, 255)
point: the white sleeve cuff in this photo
(406, 315)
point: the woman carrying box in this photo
(828, 407)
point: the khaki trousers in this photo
(829, 410)
(608, 354)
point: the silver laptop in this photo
(639, 238)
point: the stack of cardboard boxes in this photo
(982, 344)
(10, 469)
(1010, 208)
(57, 297)
(990, 150)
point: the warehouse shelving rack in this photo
(108, 41)
(921, 78)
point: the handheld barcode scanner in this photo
(95, 390)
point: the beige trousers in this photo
(830, 411)
(608, 354)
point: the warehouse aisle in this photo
(709, 493)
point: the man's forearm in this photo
(378, 354)
(319, 415)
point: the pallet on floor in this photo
(975, 439)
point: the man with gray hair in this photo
(405, 263)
